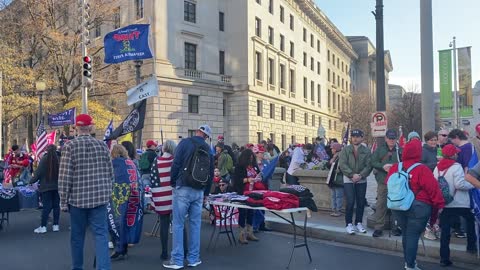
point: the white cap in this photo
(206, 130)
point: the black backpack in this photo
(197, 172)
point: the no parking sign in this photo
(379, 124)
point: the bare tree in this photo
(360, 114)
(408, 113)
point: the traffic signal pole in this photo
(86, 74)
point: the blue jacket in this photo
(183, 153)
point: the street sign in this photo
(379, 124)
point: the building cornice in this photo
(321, 20)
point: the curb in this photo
(394, 243)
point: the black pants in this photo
(164, 227)
(291, 180)
(355, 194)
(245, 216)
(448, 217)
(50, 201)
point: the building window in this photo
(305, 88)
(282, 43)
(282, 76)
(335, 125)
(334, 77)
(291, 79)
(334, 101)
(192, 104)
(259, 137)
(283, 113)
(328, 99)
(272, 111)
(221, 21)
(292, 22)
(282, 14)
(292, 49)
(328, 55)
(318, 45)
(304, 34)
(338, 62)
(191, 132)
(258, 66)
(333, 59)
(312, 42)
(312, 91)
(272, 137)
(259, 2)
(139, 11)
(312, 64)
(116, 18)
(306, 119)
(338, 80)
(319, 68)
(343, 103)
(271, 35)
(292, 115)
(293, 139)
(328, 75)
(190, 56)
(305, 59)
(338, 102)
(329, 124)
(189, 11)
(313, 120)
(259, 108)
(284, 142)
(258, 27)
(224, 107)
(271, 71)
(221, 62)
(270, 6)
(319, 94)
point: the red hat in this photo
(152, 143)
(450, 150)
(258, 149)
(477, 128)
(83, 120)
(220, 137)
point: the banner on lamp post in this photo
(146, 89)
(445, 70)
(465, 97)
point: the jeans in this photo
(96, 219)
(146, 181)
(337, 198)
(291, 180)
(186, 200)
(50, 201)
(412, 223)
(245, 216)
(258, 219)
(447, 219)
(381, 206)
(355, 195)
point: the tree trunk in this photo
(30, 136)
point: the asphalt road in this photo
(21, 249)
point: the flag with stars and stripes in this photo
(41, 142)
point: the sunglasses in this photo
(222, 185)
(443, 135)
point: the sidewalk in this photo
(322, 226)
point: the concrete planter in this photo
(315, 180)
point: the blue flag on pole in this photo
(269, 169)
(127, 43)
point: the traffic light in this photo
(87, 67)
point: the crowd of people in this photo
(77, 178)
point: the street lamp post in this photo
(40, 86)
(456, 117)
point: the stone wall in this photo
(315, 180)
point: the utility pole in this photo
(1, 114)
(456, 118)
(137, 136)
(380, 63)
(426, 49)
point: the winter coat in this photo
(46, 182)
(429, 156)
(458, 186)
(383, 155)
(422, 182)
(350, 165)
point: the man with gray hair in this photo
(85, 187)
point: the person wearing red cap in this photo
(458, 189)
(145, 164)
(427, 195)
(85, 187)
(228, 148)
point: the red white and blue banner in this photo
(62, 119)
(127, 43)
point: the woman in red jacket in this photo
(427, 195)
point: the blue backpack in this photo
(399, 196)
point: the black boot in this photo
(264, 228)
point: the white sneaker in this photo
(194, 264)
(360, 228)
(110, 244)
(415, 268)
(41, 229)
(350, 229)
(55, 228)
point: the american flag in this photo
(345, 135)
(7, 176)
(41, 142)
